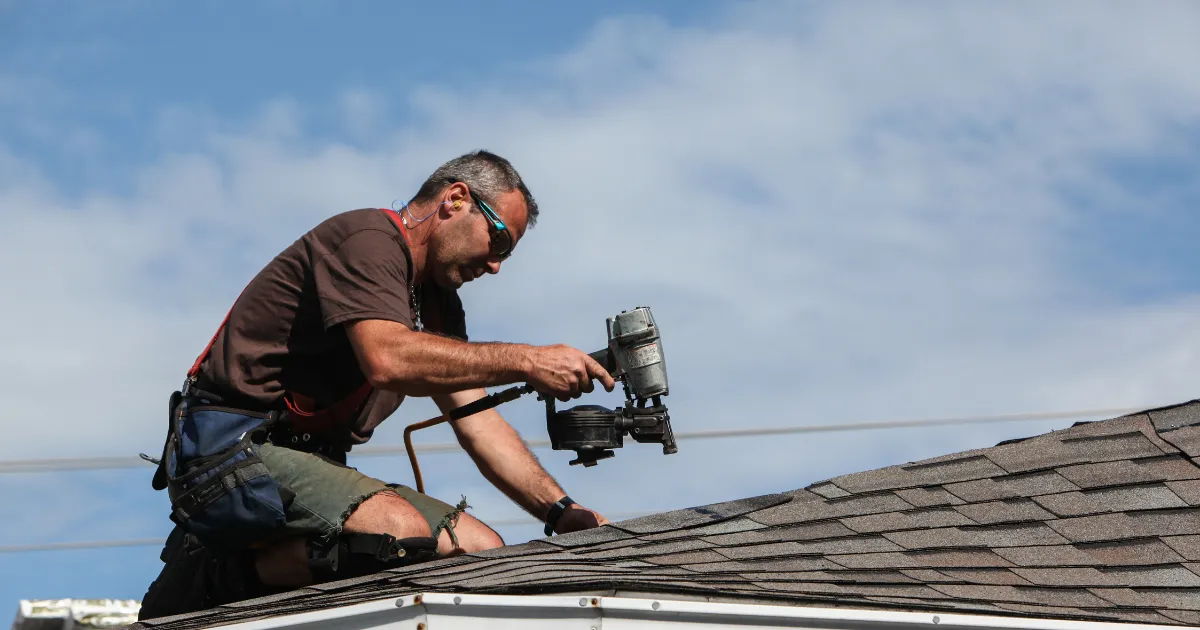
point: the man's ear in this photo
(457, 199)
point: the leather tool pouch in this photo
(221, 491)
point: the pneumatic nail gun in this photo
(634, 357)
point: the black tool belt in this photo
(282, 434)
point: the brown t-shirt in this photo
(285, 333)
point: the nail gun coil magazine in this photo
(592, 431)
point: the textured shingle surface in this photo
(1100, 521)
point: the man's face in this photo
(462, 245)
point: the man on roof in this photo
(320, 348)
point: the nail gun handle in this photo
(489, 401)
(606, 359)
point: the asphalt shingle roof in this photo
(1100, 521)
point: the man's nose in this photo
(493, 266)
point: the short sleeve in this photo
(366, 277)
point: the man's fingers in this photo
(577, 518)
(571, 387)
(585, 380)
(598, 372)
(569, 373)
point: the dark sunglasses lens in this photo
(501, 243)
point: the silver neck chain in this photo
(416, 307)
(414, 299)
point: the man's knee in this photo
(474, 536)
(387, 513)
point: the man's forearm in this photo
(502, 457)
(508, 464)
(424, 364)
(394, 358)
(440, 365)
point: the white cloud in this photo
(837, 213)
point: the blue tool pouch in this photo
(220, 489)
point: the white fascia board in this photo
(443, 611)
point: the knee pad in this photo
(355, 555)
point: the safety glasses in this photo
(502, 239)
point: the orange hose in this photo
(412, 454)
(483, 404)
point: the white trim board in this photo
(446, 611)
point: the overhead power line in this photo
(113, 463)
(70, 546)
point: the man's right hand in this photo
(565, 373)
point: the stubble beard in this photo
(450, 257)
(447, 270)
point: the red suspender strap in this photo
(399, 222)
(207, 349)
(306, 418)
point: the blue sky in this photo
(839, 212)
(109, 69)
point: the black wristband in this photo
(556, 512)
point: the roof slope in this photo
(1100, 521)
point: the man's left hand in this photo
(576, 518)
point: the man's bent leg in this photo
(381, 532)
(471, 533)
(334, 502)
(332, 497)
(404, 512)
(327, 494)
(387, 513)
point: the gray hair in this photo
(485, 173)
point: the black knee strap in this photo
(355, 555)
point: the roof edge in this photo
(551, 611)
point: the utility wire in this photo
(68, 546)
(112, 463)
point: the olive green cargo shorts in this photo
(327, 492)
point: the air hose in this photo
(469, 409)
